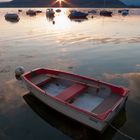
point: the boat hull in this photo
(64, 108)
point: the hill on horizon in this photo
(73, 3)
(131, 2)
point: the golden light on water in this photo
(62, 21)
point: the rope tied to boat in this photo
(120, 132)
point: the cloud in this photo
(5, 0)
(133, 79)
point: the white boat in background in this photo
(91, 102)
(13, 17)
(50, 13)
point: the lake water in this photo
(106, 48)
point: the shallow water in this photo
(106, 48)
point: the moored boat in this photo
(124, 12)
(13, 17)
(77, 14)
(50, 13)
(31, 12)
(92, 12)
(58, 10)
(106, 13)
(38, 11)
(88, 101)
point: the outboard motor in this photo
(19, 71)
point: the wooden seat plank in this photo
(71, 92)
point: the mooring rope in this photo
(122, 133)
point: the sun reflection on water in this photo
(92, 47)
(61, 21)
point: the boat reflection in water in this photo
(50, 15)
(79, 20)
(50, 18)
(70, 127)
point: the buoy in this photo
(19, 71)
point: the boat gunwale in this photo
(99, 117)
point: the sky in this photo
(131, 2)
(5, 0)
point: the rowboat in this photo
(91, 102)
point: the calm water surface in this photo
(106, 48)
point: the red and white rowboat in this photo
(88, 101)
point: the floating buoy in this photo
(19, 71)
(19, 10)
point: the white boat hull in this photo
(74, 114)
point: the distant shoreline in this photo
(38, 4)
(19, 6)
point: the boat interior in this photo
(82, 93)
